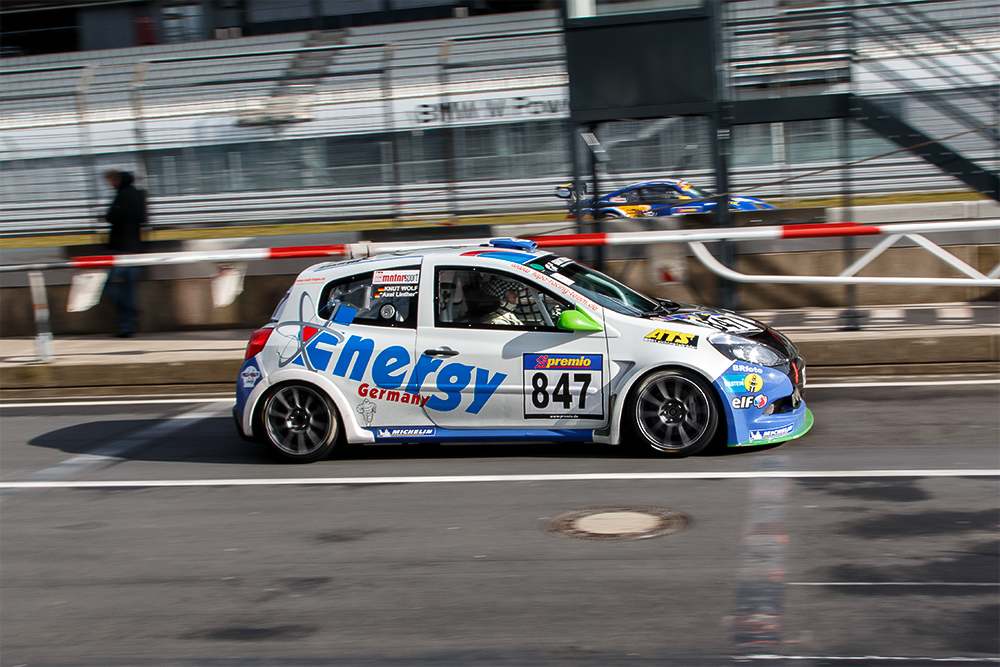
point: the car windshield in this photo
(598, 287)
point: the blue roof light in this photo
(514, 244)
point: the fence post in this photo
(852, 316)
(91, 175)
(390, 127)
(451, 170)
(138, 80)
(40, 306)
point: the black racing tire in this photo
(299, 422)
(609, 215)
(672, 413)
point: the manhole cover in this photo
(619, 523)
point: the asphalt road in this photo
(871, 541)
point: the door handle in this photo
(441, 352)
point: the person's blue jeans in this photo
(121, 289)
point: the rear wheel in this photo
(300, 423)
(673, 412)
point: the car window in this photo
(276, 315)
(486, 299)
(386, 298)
(594, 285)
(658, 194)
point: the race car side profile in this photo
(666, 196)
(503, 342)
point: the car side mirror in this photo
(578, 320)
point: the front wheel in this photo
(300, 423)
(673, 413)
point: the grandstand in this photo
(466, 115)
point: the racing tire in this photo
(609, 215)
(673, 413)
(299, 423)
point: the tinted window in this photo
(484, 299)
(385, 298)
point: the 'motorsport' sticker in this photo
(558, 386)
(398, 277)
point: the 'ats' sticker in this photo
(399, 277)
(559, 386)
(249, 376)
(672, 338)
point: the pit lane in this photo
(875, 535)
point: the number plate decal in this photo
(563, 386)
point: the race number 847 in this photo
(563, 386)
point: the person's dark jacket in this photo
(127, 215)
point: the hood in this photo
(127, 179)
(714, 318)
(752, 203)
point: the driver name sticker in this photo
(404, 291)
(561, 386)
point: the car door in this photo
(501, 361)
(373, 362)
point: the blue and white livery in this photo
(665, 196)
(504, 342)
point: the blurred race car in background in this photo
(665, 196)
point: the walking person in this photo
(127, 216)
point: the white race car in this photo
(502, 342)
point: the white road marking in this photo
(133, 401)
(866, 658)
(229, 399)
(115, 449)
(963, 584)
(453, 479)
(902, 383)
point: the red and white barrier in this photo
(228, 284)
(804, 231)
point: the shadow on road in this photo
(215, 441)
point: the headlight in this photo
(742, 349)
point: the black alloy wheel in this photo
(673, 413)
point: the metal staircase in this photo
(924, 74)
(874, 117)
